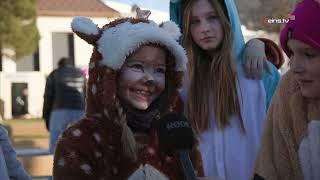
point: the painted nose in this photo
(148, 78)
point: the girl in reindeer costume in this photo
(135, 73)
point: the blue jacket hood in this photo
(176, 14)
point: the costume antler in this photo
(142, 14)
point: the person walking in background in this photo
(63, 99)
(290, 147)
(10, 167)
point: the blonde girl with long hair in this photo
(225, 108)
(262, 58)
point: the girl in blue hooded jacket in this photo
(226, 109)
(254, 60)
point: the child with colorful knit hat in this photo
(291, 141)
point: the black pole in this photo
(0, 57)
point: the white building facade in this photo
(56, 41)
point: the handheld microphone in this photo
(176, 137)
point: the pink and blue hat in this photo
(305, 26)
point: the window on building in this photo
(62, 46)
(29, 63)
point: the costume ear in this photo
(85, 29)
(171, 28)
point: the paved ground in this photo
(28, 133)
(30, 139)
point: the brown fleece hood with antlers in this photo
(102, 145)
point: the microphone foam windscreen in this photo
(174, 133)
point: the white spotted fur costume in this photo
(94, 147)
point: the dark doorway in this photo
(19, 97)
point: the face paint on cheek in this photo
(130, 82)
(130, 75)
(161, 82)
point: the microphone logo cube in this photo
(174, 133)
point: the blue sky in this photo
(161, 5)
(159, 8)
